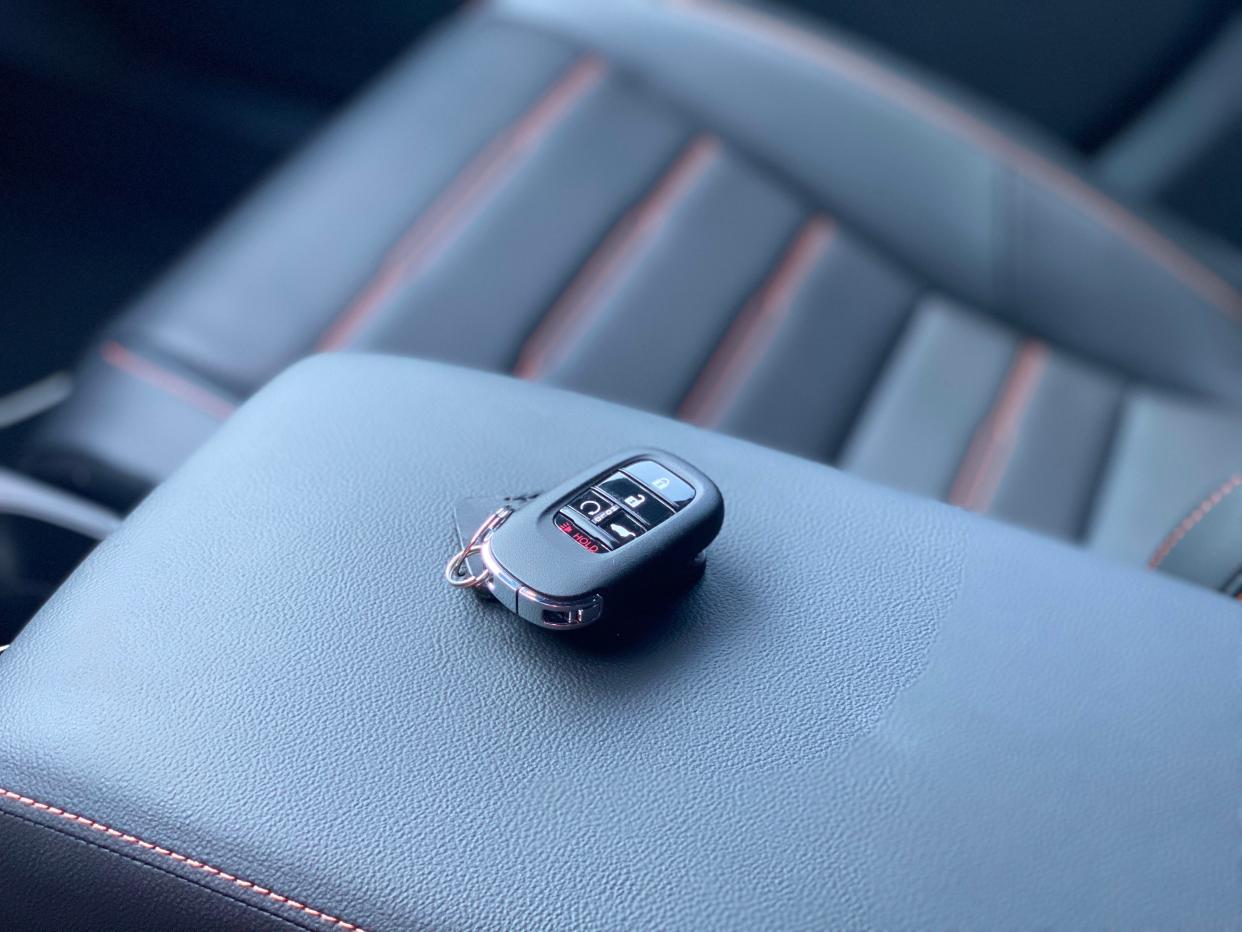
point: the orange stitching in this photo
(755, 325)
(986, 459)
(624, 238)
(1188, 523)
(436, 224)
(180, 858)
(125, 359)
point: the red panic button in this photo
(580, 537)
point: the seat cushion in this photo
(701, 209)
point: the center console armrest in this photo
(258, 705)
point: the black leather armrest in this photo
(873, 711)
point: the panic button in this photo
(671, 487)
(581, 537)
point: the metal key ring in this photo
(453, 571)
(456, 566)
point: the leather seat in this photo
(706, 210)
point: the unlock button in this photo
(636, 498)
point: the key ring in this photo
(454, 573)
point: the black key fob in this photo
(629, 525)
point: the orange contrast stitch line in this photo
(863, 71)
(1188, 523)
(988, 455)
(569, 311)
(125, 359)
(754, 328)
(326, 918)
(434, 226)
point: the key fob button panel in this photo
(635, 524)
(620, 508)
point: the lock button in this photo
(670, 486)
(636, 498)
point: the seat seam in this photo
(877, 78)
(888, 356)
(210, 870)
(435, 226)
(1188, 523)
(146, 370)
(751, 332)
(1008, 217)
(147, 865)
(568, 313)
(1108, 451)
(991, 448)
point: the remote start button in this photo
(593, 505)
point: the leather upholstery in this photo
(873, 711)
(703, 210)
(1162, 445)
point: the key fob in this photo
(627, 526)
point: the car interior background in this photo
(133, 129)
(977, 253)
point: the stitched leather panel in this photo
(887, 172)
(910, 728)
(1205, 546)
(67, 879)
(124, 431)
(972, 413)
(539, 190)
(1169, 454)
(475, 300)
(803, 384)
(1060, 448)
(648, 331)
(257, 294)
(996, 218)
(940, 384)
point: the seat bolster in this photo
(132, 420)
(1169, 456)
(116, 885)
(260, 291)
